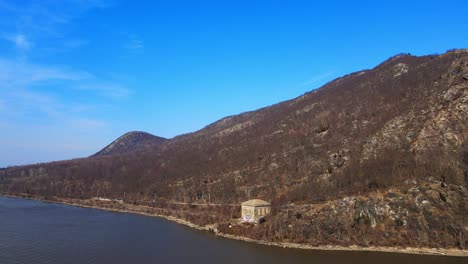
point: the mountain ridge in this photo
(397, 129)
(130, 142)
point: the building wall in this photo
(248, 213)
(254, 213)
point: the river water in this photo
(39, 232)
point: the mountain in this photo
(130, 142)
(408, 105)
(380, 152)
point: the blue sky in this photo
(75, 75)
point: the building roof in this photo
(256, 202)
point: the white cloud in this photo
(19, 40)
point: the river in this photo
(39, 232)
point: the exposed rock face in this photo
(400, 69)
(454, 92)
(366, 213)
(338, 159)
(234, 128)
(424, 215)
(442, 124)
(448, 125)
(131, 141)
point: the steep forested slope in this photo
(395, 126)
(402, 111)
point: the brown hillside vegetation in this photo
(375, 153)
(130, 142)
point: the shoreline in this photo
(407, 250)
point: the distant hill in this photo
(129, 142)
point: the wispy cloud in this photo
(45, 103)
(88, 124)
(75, 43)
(31, 88)
(87, 4)
(47, 112)
(134, 43)
(14, 73)
(34, 21)
(74, 116)
(316, 78)
(19, 40)
(106, 89)
(36, 102)
(78, 108)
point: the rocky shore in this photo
(131, 209)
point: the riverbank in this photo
(139, 211)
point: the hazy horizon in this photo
(75, 75)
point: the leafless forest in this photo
(375, 154)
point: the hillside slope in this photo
(398, 126)
(130, 142)
(407, 106)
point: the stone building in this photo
(254, 210)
